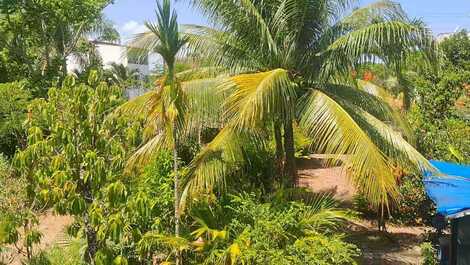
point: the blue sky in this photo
(440, 15)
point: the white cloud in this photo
(132, 27)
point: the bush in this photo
(429, 254)
(12, 190)
(445, 139)
(14, 100)
(412, 208)
(68, 254)
(243, 230)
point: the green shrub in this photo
(244, 230)
(412, 208)
(68, 254)
(14, 100)
(429, 254)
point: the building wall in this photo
(112, 54)
(115, 53)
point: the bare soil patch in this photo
(52, 228)
(400, 246)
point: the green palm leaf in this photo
(336, 132)
(259, 96)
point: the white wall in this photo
(115, 53)
(112, 54)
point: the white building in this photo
(121, 54)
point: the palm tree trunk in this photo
(290, 167)
(177, 199)
(405, 89)
(279, 148)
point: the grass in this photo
(64, 254)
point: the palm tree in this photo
(121, 75)
(170, 110)
(290, 62)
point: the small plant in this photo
(429, 254)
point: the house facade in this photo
(121, 54)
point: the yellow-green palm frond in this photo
(145, 153)
(222, 157)
(336, 132)
(394, 146)
(365, 96)
(154, 240)
(215, 161)
(387, 136)
(396, 117)
(141, 105)
(391, 41)
(258, 96)
(205, 103)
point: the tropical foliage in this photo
(291, 68)
(202, 169)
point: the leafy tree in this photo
(439, 117)
(18, 222)
(74, 156)
(40, 35)
(14, 100)
(291, 63)
(456, 50)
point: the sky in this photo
(441, 16)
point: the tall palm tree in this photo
(177, 106)
(168, 116)
(291, 63)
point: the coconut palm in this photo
(290, 62)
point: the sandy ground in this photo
(398, 247)
(52, 228)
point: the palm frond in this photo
(221, 49)
(379, 11)
(210, 167)
(259, 96)
(323, 212)
(369, 102)
(145, 153)
(154, 240)
(391, 41)
(336, 132)
(205, 103)
(141, 105)
(200, 73)
(222, 157)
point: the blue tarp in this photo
(450, 190)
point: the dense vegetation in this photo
(202, 168)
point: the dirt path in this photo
(52, 228)
(399, 247)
